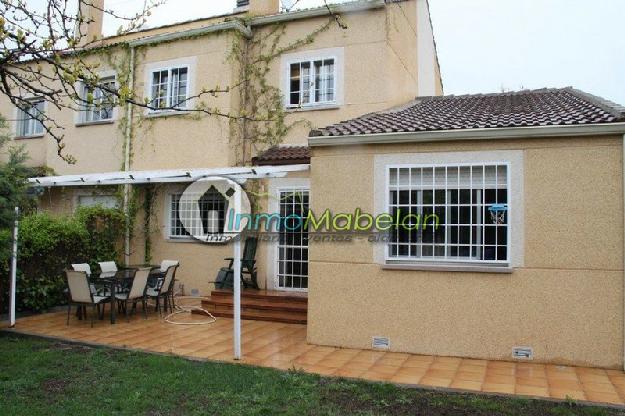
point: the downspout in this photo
(623, 251)
(127, 142)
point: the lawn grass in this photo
(42, 377)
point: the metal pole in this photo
(14, 269)
(237, 280)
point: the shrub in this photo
(48, 245)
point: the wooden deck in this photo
(261, 305)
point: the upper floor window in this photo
(449, 213)
(312, 82)
(99, 101)
(169, 88)
(29, 118)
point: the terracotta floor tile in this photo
(466, 376)
(565, 384)
(499, 379)
(375, 376)
(594, 378)
(599, 387)
(532, 390)
(435, 381)
(384, 369)
(532, 382)
(450, 374)
(466, 385)
(407, 378)
(498, 388)
(349, 373)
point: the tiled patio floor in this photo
(284, 346)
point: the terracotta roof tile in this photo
(545, 107)
(284, 155)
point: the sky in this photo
(493, 45)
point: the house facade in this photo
(523, 257)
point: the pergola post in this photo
(14, 270)
(237, 280)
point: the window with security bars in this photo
(99, 101)
(312, 83)
(207, 216)
(29, 118)
(455, 213)
(170, 88)
(293, 240)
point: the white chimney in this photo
(90, 20)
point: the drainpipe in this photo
(623, 251)
(128, 134)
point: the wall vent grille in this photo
(381, 343)
(523, 353)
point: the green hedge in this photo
(48, 245)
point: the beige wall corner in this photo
(426, 51)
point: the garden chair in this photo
(137, 292)
(80, 294)
(164, 290)
(108, 268)
(84, 267)
(248, 267)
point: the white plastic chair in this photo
(108, 268)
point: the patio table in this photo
(111, 280)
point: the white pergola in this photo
(236, 175)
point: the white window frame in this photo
(276, 253)
(169, 217)
(170, 88)
(189, 64)
(337, 54)
(32, 122)
(447, 260)
(86, 109)
(312, 87)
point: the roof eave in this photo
(470, 134)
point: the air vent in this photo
(195, 292)
(381, 343)
(523, 353)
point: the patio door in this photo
(292, 267)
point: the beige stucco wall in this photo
(565, 301)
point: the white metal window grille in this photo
(170, 88)
(312, 82)
(99, 101)
(460, 198)
(293, 240)
(212, 215)
(29, 119)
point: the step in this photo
(285, 319)
(267, 296)
(273, 315)
(260, 304)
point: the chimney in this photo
(258, 7)
(91, 12)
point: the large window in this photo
(99, 101)
(212, 215)
(312, 83)
(29, 119)
(454, 213)
(169, 88)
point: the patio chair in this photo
(84, 267)
(164, 290)
(248, 267)
(80, 294)
(108, 268)
(137, 292)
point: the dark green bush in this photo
(48, 245)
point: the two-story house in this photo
(526, 261)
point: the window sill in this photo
(468, 268)
(320, 107)
(168, 113)
(94, 123)
(34, 136)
